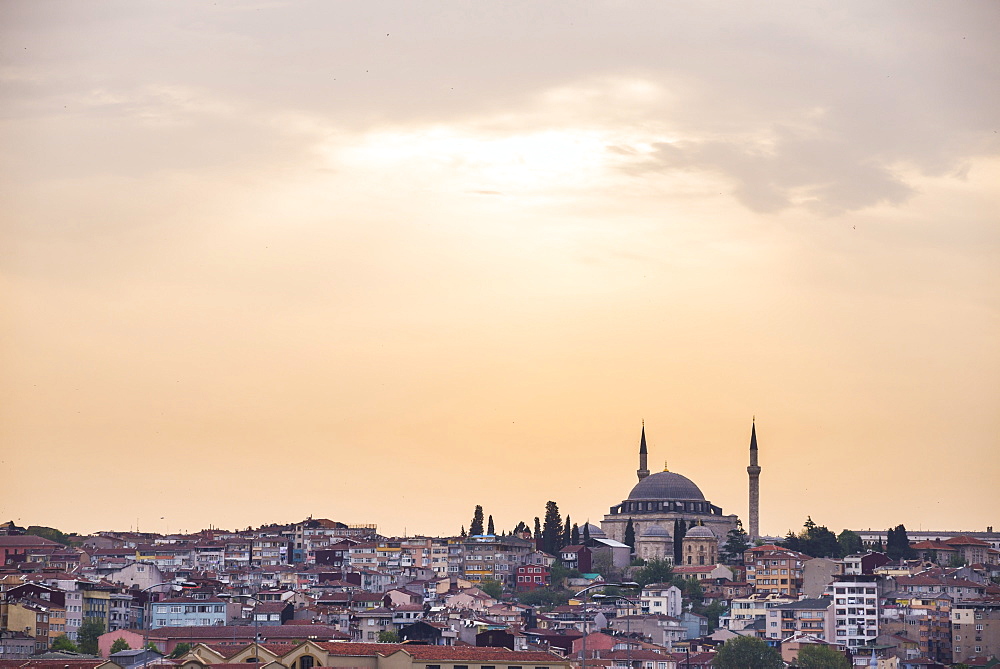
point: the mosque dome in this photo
(666, 486)
(595, 531)
(701, 532)
(654, 531)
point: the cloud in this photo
(825, 176)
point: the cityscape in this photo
(499, 334)
(665, 580)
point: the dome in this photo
(595, 532)
(654, 531)
(666, 485)
(700, 531)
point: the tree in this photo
(388, 636)
(544, 597)
(814, 540)
(491, 587)
(490, 529)
(737, 543)
(791, 542)
(850, 542)
(551, 528)
(712, 612)
(574, 534)
(586, 533)
(567, 534)
(476, 526)
(87, 635)
(655, 571)
(120, 644)
(463, 534)
(62, 642)
(559, 573)
(897, 545)
(821, 542)
(746, 652)
(680, 529)
(179, 650)
(537, 536)
(692, 591)
(630, 535)
(49, 533)
(821, 656)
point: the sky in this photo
(380, 262)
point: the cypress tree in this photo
(551, 528)
(476, 527)
(575, 535)
(538, 529)
(630, 535)
(586, 532)
(489, 527)
(567, 534)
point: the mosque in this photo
(670, 514)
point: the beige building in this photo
(975, 631)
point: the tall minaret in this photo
(642, 472)
(754, 471)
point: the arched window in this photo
(307, 662)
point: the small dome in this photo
(654, 531)
(666, 485)
(700, 531)
(595, 531)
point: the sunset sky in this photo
(380, 262)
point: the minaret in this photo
(642, 472)
(754, 472)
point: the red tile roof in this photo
(419, 652)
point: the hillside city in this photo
(666, 580)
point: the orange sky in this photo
(380, 262)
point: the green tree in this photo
(463, 534)
(630, 535)
(655, 571)
(388, 636)
(559, 573)
(574, 535)
(476, 526)
(850, 542)
(791, 542)
(551, 529)
(62, 642)
(490, 529)
(544, 597)
(120, 644)
(691, 590)
(567, 534)
(179, 650)
(491, 587)
(50, 533)
(746, 652)
(821, 656)
(537, 536)
(737, 543)
(586, 533)
(821, 542)
(87, 635)
(898, 544)
(680, 530)
(713, 611)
